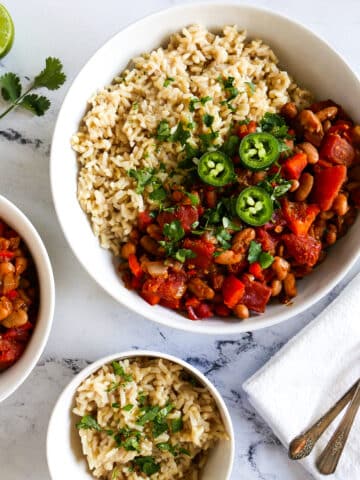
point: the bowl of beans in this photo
(26, 297)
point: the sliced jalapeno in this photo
(254, 206)
(259, 150)
(216, 169)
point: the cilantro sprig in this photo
(256, 254)
(51, 78)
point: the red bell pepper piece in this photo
(134, 265)
(256, 270)
(6, 254)
(299, 215)
(337, 150)
(192, 302)
(232, 290)
(256, 295)
(245, 129)
(203, 311)
(293, 166)
(151, 298)
(303, 248)
(327, 184)
(144, 220)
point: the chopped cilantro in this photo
(143, 177)
(88, 422)
(180, 135)
(113, 386)
(204, 100)
(222, 236)
(251, 86)
(174, 231)
(208, 119)
(147, 465)
(274, 124)
(184, 253)
(163, 132)
(207, 139)
(168, 81)
(158, 194)
(115, 405)
(119, 370)
(176, 425)
(256, 254)
(231, 145)
(194, 198)
(149, 415)
(128, 407)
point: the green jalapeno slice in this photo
(254, 206)
(259, 150)
(216, 169)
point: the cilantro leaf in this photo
(143, 177)
(231, 145)
(10, 87)
(184, 253)
(88, 422)
(147, 465)
(274, 124)
(119, 370)
(148, 416)
(163, 132)
(131, 443)
(256, 254)
(52, 77)
(194, 198)
(37, 104)
(204, 100)
(158, 194)
(208, 119)
(159, 428)
(176, 425)
(168, 81)
(128, 407)
(207, 139)
(254, 251)
(192, 104)
(265, 260)
(174, 230)
(222, 236)
(115, 405)
(180, 135)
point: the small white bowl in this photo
(63, 447)
(14, 376)
(308, 58)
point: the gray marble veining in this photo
(88, 324)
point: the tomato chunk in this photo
(256, 295)
(267, 241)
(203, 250)
(168, 289)
(144, 220)
(256, 270)
(327, 183)
(293, 166)
(299, 215)
(304, 249)
(232, 290)
(186, 214)
(10, 352)
(337, 150)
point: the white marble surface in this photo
(88, 324)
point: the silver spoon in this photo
(330, 457)
(302, 445)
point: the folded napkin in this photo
(309, 374)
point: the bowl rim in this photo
(237, 327)
(39, 338)
(71, 387)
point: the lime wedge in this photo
(6, 31)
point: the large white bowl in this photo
(14, 376)
(63, 447)
(309, 59)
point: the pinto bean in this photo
(281, 267)
(276, 287)
(16, 319)
(200, 289)
(241, 311)
(290, 285)
(340, 205)
(326, 125)
(5, 268)
(149, 244)
(229, 257)
(328, 113)
(242, 240)
(154, 231)
(289, 110)
(294, 185)
(311, 152)
(127, 249)
(310, 121)
(5, 308)
(20, 265)
(10, 282)
(306, 184)
(331, 234)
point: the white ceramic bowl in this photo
(309, 59)
(14, 376)
(64, 454)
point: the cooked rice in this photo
(163, 382)
(117, 132)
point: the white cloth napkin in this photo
(309, 374)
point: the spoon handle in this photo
(302, 445)
(330, 457)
